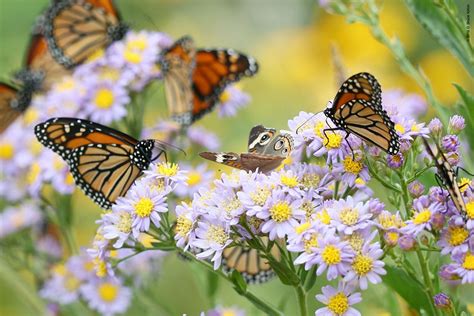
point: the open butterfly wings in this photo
(104, 162)
(76, 29)
(357, 109)
(447, 176)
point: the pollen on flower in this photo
(232, 205)
(290, 182)
(33, 173)
(308, 207)
(359, 181)
(386, 220)
(422, 217)
(324, 217)
(352, 166)
(104, 98)
(144, 207)
(132, 56)
(6, 151)
(356, 241)
(157, 184)
(338, 303)
(167, 169)
(392, 237)
(468, 263)
(100, 267)
(333, 140)
(138, 43)
(108, 292)
(310, 180)
(224, 97)
(318, 129)
(69, 179)
(457, 235)
(310, 243)
(362, 264)
(470, 209)
(194, 178)
(108, 73)
(183, 225)
(260, 195)
(349, 216)
(217, 234)
(281, 212)
(97, 54)
(125, 222)
(463, 184)
(302, 228)
(415, 128)
(331, 255)
(399, 128)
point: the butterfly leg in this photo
(350, 147)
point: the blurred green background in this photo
(292, 42)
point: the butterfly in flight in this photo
(76, 29)
(103, 161)
(357, 109)
(447, 177)
(40, 71)
(195, 78)
(266, 151)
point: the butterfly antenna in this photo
(304, 123)
(166, 144)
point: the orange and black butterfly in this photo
(195, 78)
(357, 108)
(103, 161)
(76, 29)
(39, 73)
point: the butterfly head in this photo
(117, 32)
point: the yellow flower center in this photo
(104, 98)
(310, 243)
(183, 225)
(352, 166)
(66, 84)
(302, 228)
(289, 181)
(356, 241)
(100, 268)
(334, 140)
(6, 151)
(362, 264)
(338, 304)
(310, 180)
(108, 73)
(217, 234)
(260, 196)
(422, 217)
(71, 283)
(108, 292)
(470, 209)
(386, 220)
(157, 184)
(359, 181)
(125, 222)
(69, 179)
(331, 255)
(138, 43)
(194, 178)
(35, 146)
(33, 173)
(167, 169)
(147, 240)
(113, 253)
(308, 207)
(97, 54)
(132, 56)
(468, 263)
(392, 237)
(224, 97)
(324, 217)
(318, 129)
(88, 266)
(281, 212)
(232, 205)
(30, 116)
(349, 216)
(399, 128)
(59, 269)
(457, 235)
(464, 184)
(144, 207)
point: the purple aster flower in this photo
(435, 125)
(351, 170)
(185, 221)
(117, 225)
(62, 287)
(144, 205)
(304, 238)
(391, 238)
(456, 124)
(301, 128)
(81, 266)
(338, 301)
(225, 311)
(395, 161)
(448, 274)
(438, 219)
(236, 178)
(231, 100)
(198, 177)
(454, 239)
(442, 301)
(407, 242)
(400, 105)
(421, 219)
(408, 129)
(255, 194)
(212, 236)
(463, 266)
(225, 204)
(389, 221)
(16, 218)
(106, 102)
(348, 216)
(107, 296)
(202, 137)
(375, 207)
(450, 143)
(416, 188)
(281, 215)
(366, 267)
(170, 173)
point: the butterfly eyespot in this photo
(285, 151)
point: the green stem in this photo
(301, 295)
(375, 175)
(427, 279)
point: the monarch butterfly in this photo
(357, 108)
(75, 29)
(447, 177)
(39, 72)
(103, 161)
(249, 262)
(209, 70)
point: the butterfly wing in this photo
(76, 29)
(361, 86)
(8, 112)
(215, 69)
(245, 161)
(369, 122)
(178, 65)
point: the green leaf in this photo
(410, 290)
(444, 24)
(212, 285)
(285, 274)
(239, 283)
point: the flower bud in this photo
(407, 243)
(442, 301)
(391, 238)
(450, 143)
(435, 126)
(456, 124)
(416, 188)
